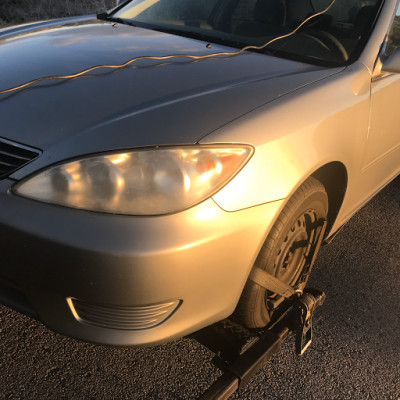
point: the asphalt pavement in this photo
(355, 353)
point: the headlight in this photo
(142, 182)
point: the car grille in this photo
(131, 318)
(13, 156)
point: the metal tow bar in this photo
(241, 353)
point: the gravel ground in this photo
(355, 353)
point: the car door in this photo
(381, 160)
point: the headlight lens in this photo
(142, 182)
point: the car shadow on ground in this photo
(360, 272)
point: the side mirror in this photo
(392, 63)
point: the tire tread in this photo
(245, 312)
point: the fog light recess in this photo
(124, 318)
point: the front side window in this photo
(333, 38)
(393, 40)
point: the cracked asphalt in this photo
(355, 353)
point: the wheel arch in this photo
(335, 179)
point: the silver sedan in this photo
(156, 159)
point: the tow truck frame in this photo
(241, 353)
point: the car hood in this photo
(149, 102)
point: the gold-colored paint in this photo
(384, 135)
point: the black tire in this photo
(281, 254)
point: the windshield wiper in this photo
(107, 17)
(188, 34)
(265, 51)
(193, 35)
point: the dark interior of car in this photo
(327, 32)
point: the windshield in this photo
(335, 37)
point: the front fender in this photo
(297, 134)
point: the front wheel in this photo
(284, 252)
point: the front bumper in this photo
(198, 260)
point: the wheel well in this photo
(334, 177)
